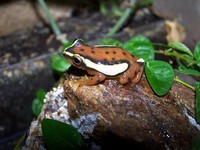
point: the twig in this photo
(184, 83)
(53, 24)
(122, 19)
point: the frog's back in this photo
(102, 53)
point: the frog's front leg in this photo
(133, 74)
(98, 77)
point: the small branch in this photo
(122, 19)
(178, 56)
(52, 22)
(103, 7)
(161, 45)
(184, 83)
(116, 10)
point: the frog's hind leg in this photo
(133, 74)
(138, 75)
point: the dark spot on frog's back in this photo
(107, 52)
(114, 52)
(92, 51)
(124, 53)
(81, 49)
(113, 58)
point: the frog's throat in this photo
(107, 69)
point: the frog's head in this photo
(74, 53)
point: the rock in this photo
(135, 113)
(113, 115)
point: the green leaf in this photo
(140, 46)
(180, 47)
(144, 3)
(160, 76)
(103, 7)
(188, 71)
(187, 58)
(110, 42)
(38, 102)
(197, 53)
(195, 143)
(198, 62)
(197, 105)
(59, 135)
(67, 45)
(59, 64)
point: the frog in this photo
(103, 62)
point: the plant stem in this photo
(179, 56)
(161, 45)
(52, 22)
(116, 10)
(103, 7)
(184, 83)
(122, 19)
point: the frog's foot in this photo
(93, 80)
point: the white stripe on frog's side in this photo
(110, 70)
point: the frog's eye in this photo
(77, 60)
